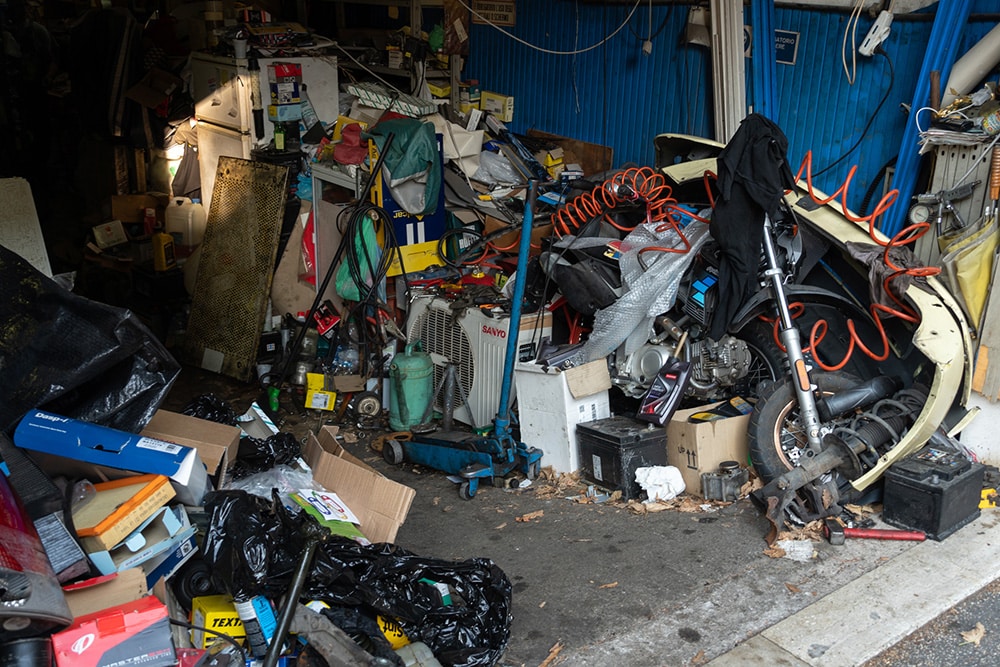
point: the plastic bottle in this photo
(279, 137)
(185, 221)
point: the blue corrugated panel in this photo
(616, 96)
(613, 95)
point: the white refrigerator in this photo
(223, 110)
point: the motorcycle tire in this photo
(775, 438)
(769, 362)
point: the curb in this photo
(882, 607)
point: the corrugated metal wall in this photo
(616, 96)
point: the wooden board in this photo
(592, 158)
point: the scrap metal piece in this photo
(332, 643)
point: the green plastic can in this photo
(411, 387)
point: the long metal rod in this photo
(291, 599)
(502, 422)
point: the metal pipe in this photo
(291, 600)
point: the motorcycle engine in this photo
(713, 365)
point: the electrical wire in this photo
(852, 29)
(551, 51)
(871, 119)
(221, 635)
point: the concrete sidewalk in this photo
(849, 625)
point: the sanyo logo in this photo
(494, 331)
(83, 643)
(51, 418)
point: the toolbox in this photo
(935, 490)
(612, 449)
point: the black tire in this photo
(392, 452)
(465, 491)
(775, 438)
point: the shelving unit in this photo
(415, 9)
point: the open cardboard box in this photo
(379, 503)
(694, 448)
(216, 444)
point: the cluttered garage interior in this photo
(487, 332)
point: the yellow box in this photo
(215, 612)
(439, 89)
(317, 398)
(501, 106)
(416, 257)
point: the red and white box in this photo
(133, 633)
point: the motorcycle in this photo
(821, 433)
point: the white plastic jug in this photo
(185, 220)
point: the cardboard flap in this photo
(380, 503)
(588, 379)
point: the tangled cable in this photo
(905, 236)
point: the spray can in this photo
(259, 622)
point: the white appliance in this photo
(221, 86)
(477, 344)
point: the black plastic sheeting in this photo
(73, 356)
(252, 546)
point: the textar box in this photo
(379, 503)
(66, 443)
(695, 448)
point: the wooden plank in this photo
(592, 158)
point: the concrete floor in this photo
(598, 584)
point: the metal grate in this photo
(237, 262)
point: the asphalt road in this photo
(940, 642)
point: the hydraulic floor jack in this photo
(473, 457)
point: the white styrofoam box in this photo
(551, 403)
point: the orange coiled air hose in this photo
(627, 186)
(902, 310)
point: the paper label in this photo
(159, 446)
(329, 505)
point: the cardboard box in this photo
(215, 612)
(216, 444)
(552, 402)
(165, 565)
(133, 633)
(284, 72)
(701, 447)
(154, 89)
(92, 595)
(160, 534)
(379, 503)
(511, 240)
(501, 106)
(131, 208)
(62, 445)
(284, 113)
(118, 508)
(317, 397)
(285, 93)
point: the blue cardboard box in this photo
(64, 443)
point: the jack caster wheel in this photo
(534, 469)
(366, 404)
(465, 491)
(392, 452)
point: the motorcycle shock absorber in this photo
(801, 382)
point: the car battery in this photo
(612, 449)
(935, 490)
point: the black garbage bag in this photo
(257, 455)
(471, 630)
(253, 546)
(75, 357)
(249, 549)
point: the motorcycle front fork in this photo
(804, 388)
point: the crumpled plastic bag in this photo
(257, 455)
(253, 546)
(660, 482)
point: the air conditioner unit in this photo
(476, 343)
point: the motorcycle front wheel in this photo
(776, 436)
